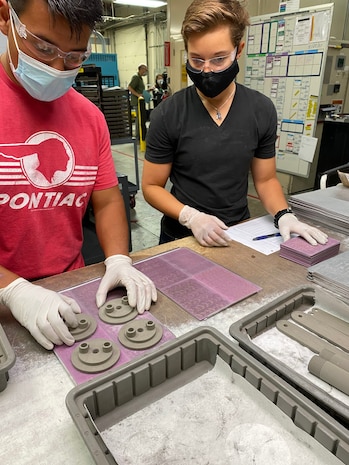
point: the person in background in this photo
(207, 137)
(137, 86)
(161, 89)
(137, 90)
(157, 90)
(55, 158)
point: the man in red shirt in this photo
(55, 157)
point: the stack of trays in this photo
(300, 251)
(332, 274)
(329, 207)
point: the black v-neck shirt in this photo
(210, 163)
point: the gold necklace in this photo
(218, 109)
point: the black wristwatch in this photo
(279, 214)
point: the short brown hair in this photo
(203, 15)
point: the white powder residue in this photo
(40, 403)
(216, 419)
(224, 319)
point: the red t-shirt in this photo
(53, 155)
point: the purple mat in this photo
(85, 295)
(198, 285)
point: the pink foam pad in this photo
(300, 251)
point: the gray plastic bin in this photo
(244, 330)
(134, 385)
(7, 359)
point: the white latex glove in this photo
(42, 312)
(141, 291)
(288, 224)
(208, 230)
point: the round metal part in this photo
(86, 327)
(117, 311)
(95, 355)
(140, 334)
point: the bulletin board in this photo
(285, 60)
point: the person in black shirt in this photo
(206, 138)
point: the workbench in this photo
(36, 427)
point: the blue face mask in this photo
(41, 81)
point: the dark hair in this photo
(203, 15)
(78, 13)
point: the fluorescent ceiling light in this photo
(145, 3)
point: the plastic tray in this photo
(7, 359)
(264, 319)
(112, 396)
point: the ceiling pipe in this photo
(116, 23)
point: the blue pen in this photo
(266, 236)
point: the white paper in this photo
(245, 232)
(321, 25)
(286, 6)
(307, 148)
(302, 31)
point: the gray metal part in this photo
(86, 327)
(117, 311)
(330, 373)
(339, 359)
(140, 334)
(330, 320)
(321, 329)
(307, 339)
(95, 355)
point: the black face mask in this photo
(212, 84)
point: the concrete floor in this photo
(145, 220)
